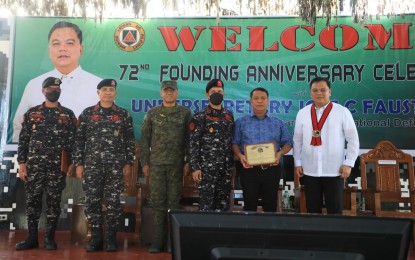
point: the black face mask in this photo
(53, 96)
(216, 98)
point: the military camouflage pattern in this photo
(166, 184)
(211, 152)
(104, 143)
(45, 133)
(164, 146)
(165, 131)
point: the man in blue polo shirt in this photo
(257, 128)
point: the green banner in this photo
(371, 67)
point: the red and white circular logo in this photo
(129, 36)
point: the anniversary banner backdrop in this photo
(371, 67)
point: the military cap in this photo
(107, 83)
(51, 81)
(168, 84)
(214, 83)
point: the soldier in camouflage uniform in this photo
(104, 152)
(211, 157)
(164, 148)
(47, 129)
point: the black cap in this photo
(51, 81)
(107, 83)
(214, 83)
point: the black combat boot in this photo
(158, 235)
(159, 220)
(31, 241)
(111, 240)
(50, 243)
(95, 244)
(168, 241)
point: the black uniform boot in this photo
(111, 240)
(168, 240)
(31, 241)
(95, 244)
(158, 235)
(158, 231)
(50, 243)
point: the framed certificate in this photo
(260, 154)
(65, 161)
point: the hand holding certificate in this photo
(262, 154)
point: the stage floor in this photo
(127, 249)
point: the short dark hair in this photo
(318, 79)
(259, 89)
(63, 24)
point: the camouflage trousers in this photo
(48, 179)
(103, 184)
(166, 183)
(215, 189)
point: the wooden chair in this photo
(190, 194)
(349, 198)
(139, 187)
(384, 170)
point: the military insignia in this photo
(115, 118)
(162, 115)
(36, 117)
(129, 36)
(95, 118)
(33, 126)
(63, 119)
(316, 133)
(57, 81)
(211, 130)
(116, 132)
(192, 126)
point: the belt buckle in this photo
(264, 167)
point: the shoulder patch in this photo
(191, 126)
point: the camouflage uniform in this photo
(104, 144)
(211, 152)
(46, 131)
(164, 147)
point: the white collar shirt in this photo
(339, 137)
(79, 91)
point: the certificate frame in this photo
(65, 161)
(260, 154)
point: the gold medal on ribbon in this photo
(211, 129)
(316, 133)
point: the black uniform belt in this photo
(261, 167)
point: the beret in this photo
(107, 83)
(51, 81)
(214, 83)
